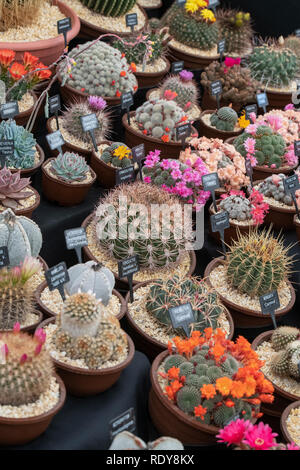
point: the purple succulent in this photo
(97, 103)
(11, 188)
(186, 75)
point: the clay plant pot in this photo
(30, 329)
(149, 96)
(278, 99)
(150, 79)
(209, 102)
(134, 138)
(158, 5)
(19, 431)
(22, 118)
(122, 283)
(212, 132)
(47, 50)
(27, 211)
(282, 399)
(284, 418)
(190, 61)
(86, 382)
(106, 174)
(145, 343)
(244, 317)
(48, 313)
(65, 194)
(297, 225)
(25, 173)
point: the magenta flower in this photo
(249, 145)
(176, 174)
(147, 179)
(292, 446)
(289, 106)
(260, 437)
(174, 165)
(97, 103)
(186, 75)
(165, 164)
(234, 432)
(251, 129)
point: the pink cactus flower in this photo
(186, 75)
(289, 107)
(23, 358)
(260, 437)
(292, 446)
(97, 103)
(17, 327)
(147, 179)
(234, 432)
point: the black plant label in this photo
(124, 422)
(9, 110)
(4, 256)
(182, 316)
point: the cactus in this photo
(17, 13)
(117, 155)
(285, 362)
(127, 441)
(273, 187)
(69, 167)
(20, 235)
(238, 207)
(101, 70)
(174, 291)
(139, 52)
(13, 188)
(235, 28)
(173, 361)
(293, 44)
(159, 119)
(224, 119)
(270, 147)
(257, 263)
(284, 335)
(183, 86)
(24, 145)
(112, 8)
(84, 332)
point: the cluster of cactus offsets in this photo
(26, 372)
(16, 300)
(92, 105)
(159, 119)
(13, 188)
(155, 250)
(100, 70)
(70, 167)
(285, 340)
(238, 207)
(24, 145)
(224, 119)
(182, 88)
(235, 28)
(237, 84)
(270, 147)
(109, 7)
(84, 332)
(273, 187)
(257, 263)
(174, 291)
(16, 13)
(284, 335)
(292, 42)
(118, 155)
(274, 66)
(145, 48)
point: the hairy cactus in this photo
(153, 251)
(24, 144)
(235, 28)
(284, 335)
(159, 119)
(183, 89)
(174, 291)
(84, 332)
(224, 119)
(109, 7)
(101, 70)
(286, 362)
(270, 147)
(117, 155)
(17, 13)
(69, 167)
(138, 52)
(257, 263)
(238, 207)
(12, 188)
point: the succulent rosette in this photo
(13, 188)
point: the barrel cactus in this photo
(20, 235)
(224, 119)
(284, 335)
(109, 7)
(292, 42)
(183, 89)
(286, 362)
(69, 167)
(117, 155)
(235, 28)
(24, 145)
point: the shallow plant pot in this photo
(25, 173)
(19, 431)
(281, 398)
(30, 329)
(150, 79)
(134, 138)
(244, 317)
(145, 343)
(27, 211)
(191, 61)
(122, 283)
(279, 99)
(86, 382)
(297, 225)
(65, 194)
(47, 50)
(154, 7)
(283, 419)
(22, 118)
(209, 102)
(50, 314)
(212, 132)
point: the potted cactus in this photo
(202, 383)
(127, 441)
(67, 179)
(220, 124)
(100, 70)
(242, 277)
(289, 424)
(235, 27)
(88, 346)
(148, 316)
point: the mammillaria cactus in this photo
(235, 28)
(111, 7)
(100, 70)
(284, 335)
(286, 361)
(24, 144)
(257, 263)
(273, 187)
(27, 369)
(16, 13)
(224, 119)
(12, 188)
(242, 209)
(210, 381)
(84, 332)
(159, 119)
(20, 235)
(118, 155)
(69, 167)
(182, 88)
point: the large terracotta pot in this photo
(283, 419)
(48, 50)
(212, 132)
(190, 61)
(244, 317)
(150, 79)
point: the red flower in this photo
(118, 94)
(42, 74)
(17, 71)
(123, 73)
(165, 138)
(132, 67)
(30, 61)
(200, 412)
(6, 57)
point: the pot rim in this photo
(25, 171)
(64, 183)
(283, 419)
(24, 210)
(198, 57)
(27, 328)
(155, 74)
(284, 210)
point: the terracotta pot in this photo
(209, 102)
(65, 194)
(149, 96)
(27, 211)
(106, 174)
(48, 50)
(86, 382)
(244, 317)
(297, 225)
(278, 99)
(145, 343)
(25, 173)
(122, 283)
(282, 398)
(134, 138)
(191, 61)
(212, 132)
(284, 418)
(150, 79)
(155, 7)
(22, 118)
(50, 313)
(19, 431)
(31, 328)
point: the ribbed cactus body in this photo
(284, 335)
(235, 28)
(110, 7)
(224, 119)
(186, 90)
(15, 304)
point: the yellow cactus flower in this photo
(208, 15)
(243, 122)
(194, 5)
(122, 152)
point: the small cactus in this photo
(117, 155)
(235, 28)
(284, 335)
(113, 8)
(183, 88)
(273, 187)
(224, 119)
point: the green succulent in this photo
(70, 167)
(24, 144)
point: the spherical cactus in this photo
(235, 28)
(183, 88)
(273, 187)
(112, 8)
(223, 415)
(175, 360)
(188, 398)
(293, 43)
(294, 364)
(81, 315)
(185, 369)
(238, 207)
(224, 119)
(284, 335)
(280, 363)
(117, 155)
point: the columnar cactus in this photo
(235, 28)
(13, 188)
(224, 119)
(109, 7)
(182, 88)
(118, 155)
(69, 167)
(24, 145)
(284, 335)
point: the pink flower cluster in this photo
(260, 208)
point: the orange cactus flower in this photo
(6, 57)
(165, 138)
(176, 385)
(170, 393)
(266, 386)
(173, 373)
(170, 347)
(208, 333)
(17, 71)
(208, 391)
(123, 73)
(135, 87)
(238, 389)
(229, 403)
(250, 386)
(123, 54)
(132, 67)
(167, 129)
(30, 61)
(200, 412)
(145, 131)
(118, 94)
(42, 74)
(223, 385)
(266, 398)
(218, 351)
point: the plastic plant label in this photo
(124, 422)
(55, 140)
(75, 239)
(251, 108)
(56, 277)
(54, 104)
(216, 88)
(127, 268)
(6, 150)
(183, 132)
(181, 3)
(9, 110)
(63, 26)
(297, 32)
(89, 122)
(268, 304)
(182, 316)
(262, 101)
(291, 184)
(127, 100)
(177, 67)
(219, 223)
(221, 48)
(131, 20)
(210, 182)
(213, 4)
(297, 148)
(125, 175)
(138, 155)
(4, 257)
